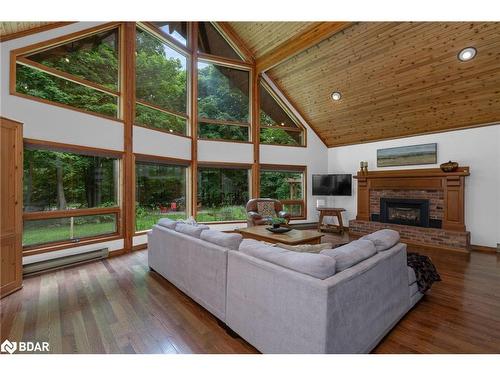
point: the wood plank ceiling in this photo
(397, 79)
(8, 28)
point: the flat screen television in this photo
(332, 184)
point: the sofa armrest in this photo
(254, 215)
(284, 215)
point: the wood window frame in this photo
(163, 160)
(267, 84)
(291, 168)
(55, 214)
(225, 165)
(18, 56)
(237, 65)
(155, 32)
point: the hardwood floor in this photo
(119, 306)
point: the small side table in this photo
(330, 211)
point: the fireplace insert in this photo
(404, 211)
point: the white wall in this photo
(477, 148)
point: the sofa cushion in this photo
(190, 230)
(306, 248)
(383, 239)
(315, 265)
(227, 240)
(351, 254)
(167, 223)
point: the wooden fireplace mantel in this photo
(451, 183)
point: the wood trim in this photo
(161, 159)
(224, 165)
(27, 251)
(299, 43)
(292, 107)
(483, 249)
(255, 101)
(141, 246)
(66, 76)
(224, 140)
(222, 122)
(223, 222)
(65, 106)
(409, 135)
(162, 131)
(42, 215)
(127, 40)
(193, 34)
(173, 43)
(35, 30)
(284, 167)
(11, 256)
(158, 108)
(285, 128)
(84, 150)
(407, 173)
(226, 29)
(224, 61)
(33, 48)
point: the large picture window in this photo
(277, 124)
(160, 192)
(69, 196)
(286, 184)
(222, 193)
(223, 102)
(82, 73)
(161, 84)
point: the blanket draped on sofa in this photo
(425, 271)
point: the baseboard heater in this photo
(65, 261)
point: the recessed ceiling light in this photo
(467, 54)
(336, 95)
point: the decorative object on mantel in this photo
(407, 155)
(363, 165)
(450, 166)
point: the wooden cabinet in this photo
(11, 224)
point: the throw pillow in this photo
(266, 209)
(306, 248)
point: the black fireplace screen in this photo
(405, 211)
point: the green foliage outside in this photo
(279, 185)
(222, 194)
(60, 180)
(51, 230)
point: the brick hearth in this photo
(416, 235)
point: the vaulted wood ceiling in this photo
(8, 28)
(397, 79)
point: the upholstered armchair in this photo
(256, 217)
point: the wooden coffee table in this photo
(294, 237)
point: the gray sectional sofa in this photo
(342, 300)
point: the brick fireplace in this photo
(425, 205)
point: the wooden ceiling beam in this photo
(298, 43)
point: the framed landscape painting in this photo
(407, 155)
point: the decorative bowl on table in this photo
(279, 229)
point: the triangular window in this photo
(277, 123)
(80, 72)
(212, 42)
(93, 58)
